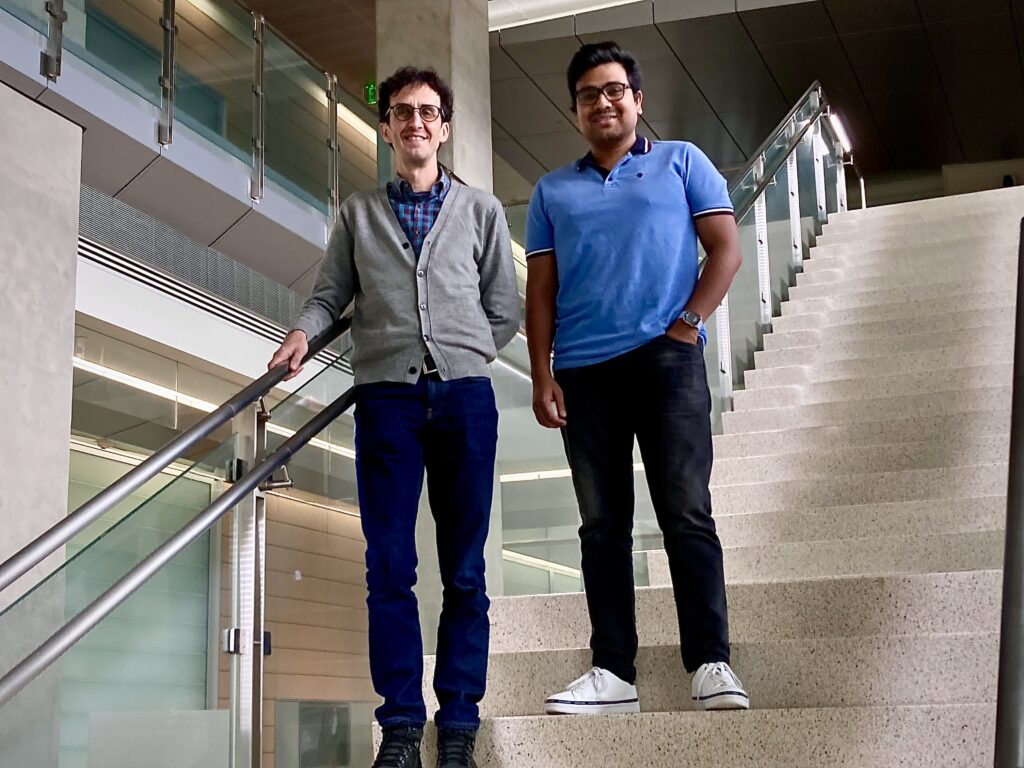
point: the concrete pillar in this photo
(450, 36)
(40, 172)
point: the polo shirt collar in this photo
(401, 190)
(641, 147)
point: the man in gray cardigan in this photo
(427, 262)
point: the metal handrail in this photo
(62, 640)
(1009, 751)
(62, 532)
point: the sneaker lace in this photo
(455, 751)
(594, 676)
(724, 672)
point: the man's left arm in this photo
(498, 292)
(720, 238)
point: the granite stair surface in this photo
(859, 491)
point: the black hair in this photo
(407, 76)
(594, 55)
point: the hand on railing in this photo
(292, 351)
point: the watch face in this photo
(691, 318)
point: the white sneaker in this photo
(598, 692)
(715, 686)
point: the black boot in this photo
(400, 748)
(455, 748)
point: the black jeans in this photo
(659, 394)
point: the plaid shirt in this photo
(417, 211)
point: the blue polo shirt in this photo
(625, 244)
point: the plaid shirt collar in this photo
(401, 191)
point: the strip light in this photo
(840, 131)
(192, 402)
(547, 474)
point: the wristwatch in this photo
(692, 319)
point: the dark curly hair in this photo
(407, 76)
(594, 55)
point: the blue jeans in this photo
(657, 393)
(449, 429)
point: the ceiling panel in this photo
(893, 60)
(853, 16)
(521, 161)
(976, 50)
(720, 56)
(788, 23)
(708, 133)
(502, 65)
(917, 128)
(987, 108)
(556, 150)
(945, 10)
(509, 184)
(523, 110)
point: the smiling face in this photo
(606, 123)
(415, 140)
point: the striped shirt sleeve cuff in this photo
(713, 212)
(539, 252)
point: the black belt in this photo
(429, 366)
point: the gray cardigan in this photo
(458, 301)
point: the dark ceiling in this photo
(919, 83)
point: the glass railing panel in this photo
(297, 122)
(122, 39)
(833, 163)
(781, 269)
(32, 12)
(214, 73)
(150, 667)
(745, 304)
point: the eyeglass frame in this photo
(417, 110)
(601, 92)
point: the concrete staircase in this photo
(859, 490)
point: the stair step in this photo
(951, 736)
(992, 202)
(856, 390)
(986, 278)
(941, 268)
(969, 249)
(817, 313)
(881, 305)
(959, 450)
(984, 352)
(912, 317)
(781, 674)
(986, 229)
(896, 407)
(868, 431)
(929, 338)
(862, 521)
(863, 606)
(981, 550)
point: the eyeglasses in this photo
(404, 112)
(611, 91)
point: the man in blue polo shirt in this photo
(615, 292)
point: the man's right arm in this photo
(335, 287)
(541, 293)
